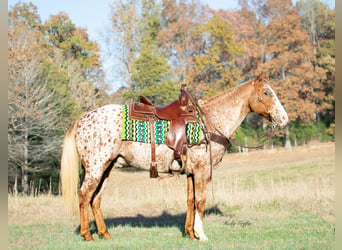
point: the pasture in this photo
(269, 199)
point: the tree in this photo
(150, 69)
(72, 64)
(146, 69)
(289, 61)
(54, 75)
(215, 67)
(178, 38)
(125, 39)
(314, 15)
(247, 32)
(32, 117)
(319, 21)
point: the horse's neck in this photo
(227, 111)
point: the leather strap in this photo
(154, 165)
(218, 139)
(269, 134)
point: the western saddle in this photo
(178, 112)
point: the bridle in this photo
(269, 132)
(222, 139)
(219, 137)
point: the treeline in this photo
(54, 75)
(55, 72)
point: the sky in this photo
(94, 15)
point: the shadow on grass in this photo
(163, 220)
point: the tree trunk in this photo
(24, 181)
(24, 175)
(283, 73)
(287, 139)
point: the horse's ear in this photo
(260, 77)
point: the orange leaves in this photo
(214, 66)
(290, 59)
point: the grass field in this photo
(272, 199)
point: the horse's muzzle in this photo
(281, 120)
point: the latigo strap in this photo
(154, 165)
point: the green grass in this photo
(270, 226)
(251, 178)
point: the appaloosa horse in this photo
(95, 140)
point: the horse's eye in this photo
(266, 93)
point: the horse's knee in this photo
(200, 205)
(191, 202)
(200, 201)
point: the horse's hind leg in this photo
(85, 194)
(95, 205)
(91, 183)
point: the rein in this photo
(269, 134)
(219, 137)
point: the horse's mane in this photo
(224, 93)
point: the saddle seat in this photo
(178, 112)
(173, 111)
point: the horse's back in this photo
(106, 118)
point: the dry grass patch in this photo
(302, 177)
(41, 209)
(132, 192)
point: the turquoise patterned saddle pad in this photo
(139, 131)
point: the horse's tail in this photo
(69, 174)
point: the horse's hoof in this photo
(204, 238)
(105, 235)
(201, 237)
(190, 234)
(192, 237)
(88, 237)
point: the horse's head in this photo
(265, 102)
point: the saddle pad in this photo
(139, 131)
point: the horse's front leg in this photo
(189, 222)
(200, 182)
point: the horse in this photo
(94, 140)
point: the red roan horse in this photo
(95, 140)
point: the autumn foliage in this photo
(214, 50)
(53, 68)
(55, 71)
